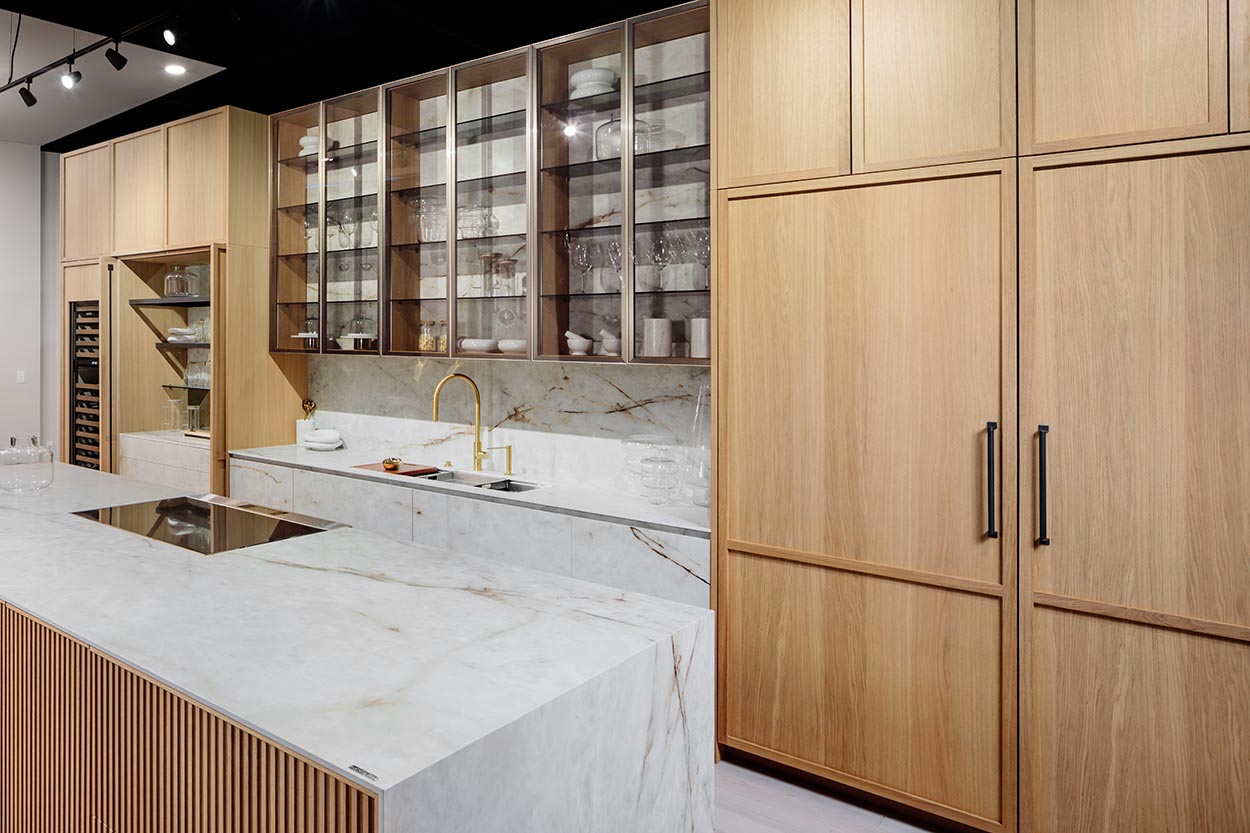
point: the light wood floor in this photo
(752, 802)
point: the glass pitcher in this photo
(25, 465)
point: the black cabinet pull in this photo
(990, 427)
(1043, 538)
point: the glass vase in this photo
(25, 465)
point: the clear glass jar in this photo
(608, 140)
(441, 331)
(26, 466)
(427, 337)
(178, 282)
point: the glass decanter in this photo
(25, 466)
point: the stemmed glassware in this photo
(664, 250)
(612, 251)
(581, 257)
(701, 247)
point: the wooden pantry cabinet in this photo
(1239, 65)
(1135, 583)
(783, 90)
(86, 743)
(866, 401)
(86, 201)
(1113, 72)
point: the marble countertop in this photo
(344, 646)
(569, 499)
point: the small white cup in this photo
(657, 337)
(700, 338)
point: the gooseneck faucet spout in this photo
(478, 453)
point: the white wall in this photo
(19, 289)
(50, 380)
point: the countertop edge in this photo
(477, 494)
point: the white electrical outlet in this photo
(21, 377)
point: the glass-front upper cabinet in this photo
(672, 189)
(491, 222)
(416, 186)
(350, 151)
(580, 207)
(296, 241)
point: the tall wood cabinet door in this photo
(86, 209)
(867, 617)
(1113, 72)
(139, 193)
(783, 90)
(934, 81)
(1134, 316)
(197, 178)
(1239, 64)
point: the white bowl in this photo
(323, 446)
(594, 75)
(587, 90)
(612, 347)
(479, 345)
(513, 345)
(580, 346)
(309, 141)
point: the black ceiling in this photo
(280, 54)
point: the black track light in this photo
(116, 58)
(71, 78)
(28, 97)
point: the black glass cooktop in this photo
(208, 524)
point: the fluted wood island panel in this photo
(87, 744)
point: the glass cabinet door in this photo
(296, 237)
(416, 183)
(581, 216)
(351, 224)
(491, 222)
(671, 189)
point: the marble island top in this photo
(572, 499)
(422, 669)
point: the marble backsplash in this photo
(601, 401)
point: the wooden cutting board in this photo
(405, 469)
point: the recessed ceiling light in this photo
(169, 36)
(175, 69)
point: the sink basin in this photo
(481, 480)
(462, 478)
(509, 486)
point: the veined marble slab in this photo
(481, 697)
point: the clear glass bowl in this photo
(26, 466)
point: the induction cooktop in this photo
(207, 524)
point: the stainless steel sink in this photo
(509, 485)
(481, 480)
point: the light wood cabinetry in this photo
(86, 203)
(189, 193)
(933, 82)
(852, 517)
(1095, 74)
(86, 743)
(1136, 626)
(1239, 64)
(197, 181)
(783, 90)
(139, 193)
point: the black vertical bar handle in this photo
(1043, 538)
(990, 427)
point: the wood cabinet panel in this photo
(1239, 64)
(892, 683)
(88, 744)
(863, 354)
(139, 193)
(934, 80)
(1136, 729)
(86, 203)
(1134, 313)
(1111, 72)
(783, 89)
(197, 180)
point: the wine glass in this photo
(663, 252)
(612, 251)
(580, 257)
(700, 241)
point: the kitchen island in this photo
(466, 695)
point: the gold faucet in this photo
(478, 454)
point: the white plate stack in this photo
(323, 439)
